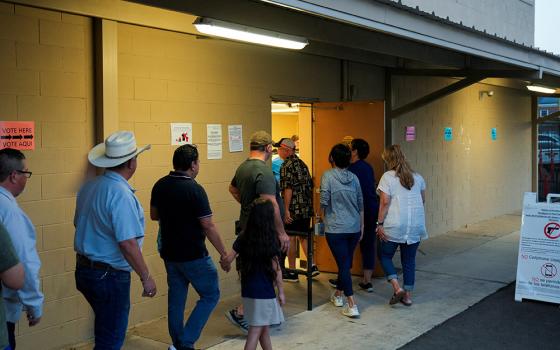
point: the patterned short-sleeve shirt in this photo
(294, 174)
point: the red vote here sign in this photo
(18, 135)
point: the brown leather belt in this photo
(85, 262)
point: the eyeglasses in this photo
(25, 173)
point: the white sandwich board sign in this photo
(538, 261)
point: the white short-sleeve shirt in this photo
(405, 221)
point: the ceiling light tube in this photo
(541, 89)
(239, 32)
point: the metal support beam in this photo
(519, 74)
(534, 140)
(552, 116)
(422, 101)
(106, 78)
(388, 108)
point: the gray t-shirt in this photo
(253, 178)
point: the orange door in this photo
(336, 122)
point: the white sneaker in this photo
(336, 300)
(351, 311)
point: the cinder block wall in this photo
(46, 77)
(167, 77)
(470, 178)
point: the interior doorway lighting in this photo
(278, 107)
(239, 32)
(541, 89)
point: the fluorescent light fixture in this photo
(248, 34)
(541, 89)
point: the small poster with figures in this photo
(181, 134)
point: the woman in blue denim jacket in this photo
(343, 214)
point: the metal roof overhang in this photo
(383, 33)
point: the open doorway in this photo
(293, 120)
(318, 127)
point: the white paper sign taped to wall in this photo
(538, 261)
(214, 141)
(181, 133)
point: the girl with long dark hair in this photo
(258, 249)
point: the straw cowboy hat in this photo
(119, 147)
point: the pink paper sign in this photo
(18, 135)
(410, 133)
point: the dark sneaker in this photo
(333, 282)
(366, 286)
(237, 320)
(314, 271)
(288, 276)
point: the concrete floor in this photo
(454, 271)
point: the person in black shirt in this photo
(181, 206)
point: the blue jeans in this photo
(368, 247)
(342, 246)
(203, 276)
(408, 261)
(108, 293)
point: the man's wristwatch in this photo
(379, 223)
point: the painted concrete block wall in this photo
(46, 77)
(167, 77)
(516, 17)
(470, 178)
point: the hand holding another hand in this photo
(149, 286)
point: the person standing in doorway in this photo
(297, 193)
(401, 221)
(13, 179)
(364, 172)
(182, 208)
(254, 179)
(343, 214)
(109, 223)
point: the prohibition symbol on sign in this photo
(552, 230)
(549, 270)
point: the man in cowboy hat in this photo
(109, 223)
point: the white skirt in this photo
(262, 312)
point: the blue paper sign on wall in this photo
(448, 134)
(494, 134)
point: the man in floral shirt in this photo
(297, 190)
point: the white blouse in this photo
(405, 221)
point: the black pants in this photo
(11, 334)
(301, 225)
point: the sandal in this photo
(397, 297)
(406, 301)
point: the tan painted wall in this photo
(470, 178)
(45, 70)
(284, 125)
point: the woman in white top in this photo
(401, 221)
